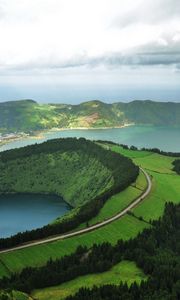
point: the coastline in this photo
(91, 128)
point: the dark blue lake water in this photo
(20, 212)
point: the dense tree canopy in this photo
(176, 164)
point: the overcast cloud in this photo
(82, 43)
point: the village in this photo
(6, 137)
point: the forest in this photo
(156, 251)
(176, 164)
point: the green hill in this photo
(28, 115)
(82, 172)
(74, 174)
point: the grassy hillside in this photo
(124, 271)
(75, 176)
(119, 201)
(166, 183)
(27, 115)
(77, 169)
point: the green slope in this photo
(166, 183)
(76, 169)
(75, 176)
(28, 115)
(124, 271)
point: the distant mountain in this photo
(28, 115)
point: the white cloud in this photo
(89, 40)
(50, 32)
(149, 12)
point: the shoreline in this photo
(90, 128)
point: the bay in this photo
(164, 138)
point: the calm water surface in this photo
(165, 138)
(22, 212)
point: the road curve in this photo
(90, 228)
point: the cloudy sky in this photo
(71, 51)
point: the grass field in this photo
(156, 163)
(165, 188)
(148, 160)
(166, 183)
(115, 204)
(130, 153)
(125, 271)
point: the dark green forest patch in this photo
(176, 164)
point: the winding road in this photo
(90, 228)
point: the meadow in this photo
(165, 182)
(124, 271)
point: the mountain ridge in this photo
(29, 115)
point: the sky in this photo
(73, 51)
